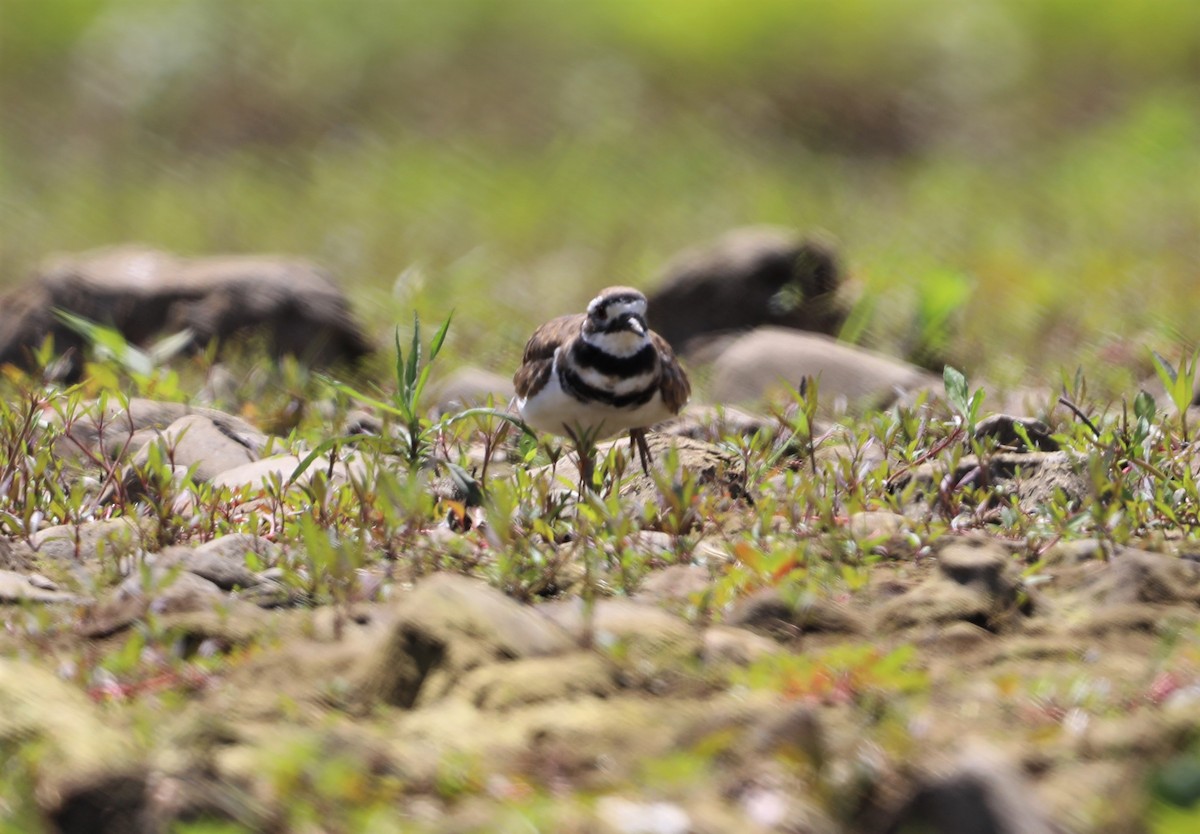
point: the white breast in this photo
(554, 410)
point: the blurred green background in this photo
(1019, 177)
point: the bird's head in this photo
(617, 310)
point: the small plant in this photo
(1180, 384)
(411, 377)
(146, 367)
(966, 405)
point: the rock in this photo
(708, 466)
(675, 585)
(1003, 429)
(958, 637)
(116, 432)
(978, 794)
(763, 363)
(18, 588)
(197, 441)
(16, 555)
(80, 764)
(445, 628)
(236, 546)
(1139, 576)
(222, 627)
(735, 646)
(220, 561)
(766, 612)
(877, 525)
(257, 474)
(537, 680)
(653, 649)
(176, 594)
(976, 583)
(116, 537)
(168, 592)
(795, 731)
(1034, 477)
(713, 423)
(746, 278)
(1124, 618)
(979, 564)
(142, 292)
(468, 387)
(1077, 552)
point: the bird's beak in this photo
(636, 323)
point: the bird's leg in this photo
(637, 438)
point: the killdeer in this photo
(592, 375)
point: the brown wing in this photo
(674, 383)
(538, 360)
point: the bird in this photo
(588, 376)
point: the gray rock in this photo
(117, 432)
(169, 591)
(197, 441)
(116, 537)
(877, 524)
(1003, 429)
(737, 646)
(17, 588)
(446, 627)
(1078, 551)
(220, 561)
(1036, 478)
(16, 555)
(976, 582)
(980, 793)
(1140, 576)
(653, 648)
(172, 593)
(714, 423)
(255, 474)
(767, 612)
(748, 277)
(762, 364)
(675, 584)
(142, 292)
(712, 468)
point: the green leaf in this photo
(440, 337)
(322, 448)
(956, 389)
(171, 346)
(1144, 407)
(1020, 431)
(1166, 371)
(399, 362)
(976, 406)
(108, 343)
(858, 321)
(414, 360)
(397, 409)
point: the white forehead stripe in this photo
(638, 306)
(614, 307)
